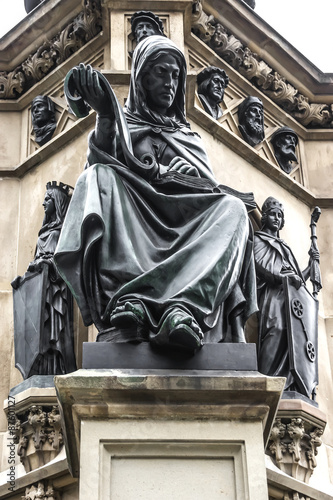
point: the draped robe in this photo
(274, 259)
(129, 239)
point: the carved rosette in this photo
(248, 63)
(293, 446)
(38, 435)
(80, 31)
(43, 490)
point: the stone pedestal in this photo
(148, 434)
(296, 437)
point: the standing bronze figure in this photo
(152, 247)
(43, 318)
(287, 311)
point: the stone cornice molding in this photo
(210, 29)
(83, 28)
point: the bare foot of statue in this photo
(179, 329)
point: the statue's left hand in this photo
(314, 254)
(88, 86)
(179, 164)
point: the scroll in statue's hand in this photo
(179, 164)
(88, 85)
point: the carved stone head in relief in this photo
(212, 82)
(43, 119)
(145, 23)
(284, 142)
(251, 120)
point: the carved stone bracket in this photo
(43, 490)
(294, 444)
(248, 63)
(82, 29)
(38, 433)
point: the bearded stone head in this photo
(284, 142)
(251, 120)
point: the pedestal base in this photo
(148, 434)
(107, 355)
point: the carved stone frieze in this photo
(293, 446)
(43, 490)
(82, 29)
(249, 64)
(38, 434)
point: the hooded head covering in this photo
(146, 52)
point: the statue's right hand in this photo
(88, 86)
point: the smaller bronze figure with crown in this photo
(43, 318)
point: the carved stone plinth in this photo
(296, 437)
(168, 433)
(34, 424)
(43, 490)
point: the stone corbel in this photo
(37, 432)
(294, 443)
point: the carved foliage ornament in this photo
(38, 434)
(248, 63)
(293, 445)
(43, 490)
(82, 29)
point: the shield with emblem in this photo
(29, 303)
(302, 330)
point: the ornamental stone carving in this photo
(293, 446)
(82, 29)
(43, 490)
(201, 23)
(38, 433)
(229, 48)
